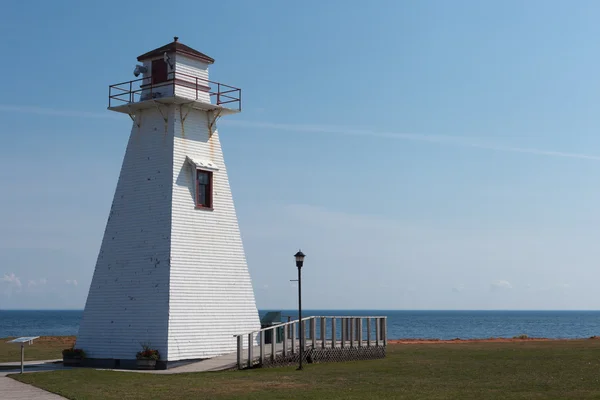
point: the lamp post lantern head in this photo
(299, 258)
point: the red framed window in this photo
(204, 186)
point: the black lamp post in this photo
(299, 262)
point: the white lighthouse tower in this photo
(171, 271)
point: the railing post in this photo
(240, 350)
(250, 351)
(274, 343)
(377, 332)
(262, 348)
(293, 325)
(359, 334)
(130, 91)
(323, 332)
(368, 332)
(285, 339)
(333, 333)
(313, 331)
(344, 326)
(218, 93)
(352, 331)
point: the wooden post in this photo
(293, 325)
(333, 333)
(351, 323)
(274, 344)
(344, 326)
(262, 348)
(384, 330)
(359, 332)
(285, 339)
(250, 350)
(377, 331)
(349, 329)
(240, 350)
(313, 331)
(323, 332)
(368, 332)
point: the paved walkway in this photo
(13, 390)
(30, 366)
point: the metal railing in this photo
(324, 332)
(144, 88)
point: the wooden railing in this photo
(320, 333)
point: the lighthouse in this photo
(171, 272)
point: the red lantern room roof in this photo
(176, 47)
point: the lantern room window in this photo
(204, 186)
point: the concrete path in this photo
(13, 390)
(17, 364)
(30, 366)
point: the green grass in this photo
(518, 370)
(44, 348)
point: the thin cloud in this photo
(71, 282)
(10, 284)
(501, 285)
(39, 282)
(54, 112)
(417, 137)
(12, 280)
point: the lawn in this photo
(44, 348)
(519, 370)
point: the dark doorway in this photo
(159, 71)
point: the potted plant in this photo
(73, 357)
(147, 357)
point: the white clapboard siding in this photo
(128, 301)
(169, 274)
(211, 295)
(186, 72)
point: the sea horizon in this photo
(401, 324)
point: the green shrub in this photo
(73, 353)
(521, 337)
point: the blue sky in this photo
(424, 155)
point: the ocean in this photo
(401, 324)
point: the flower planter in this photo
(146, 363)
(72, 361)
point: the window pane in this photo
(202, 195)
(202, 178)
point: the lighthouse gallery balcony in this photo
(179, 88)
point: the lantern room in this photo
(173, 73)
